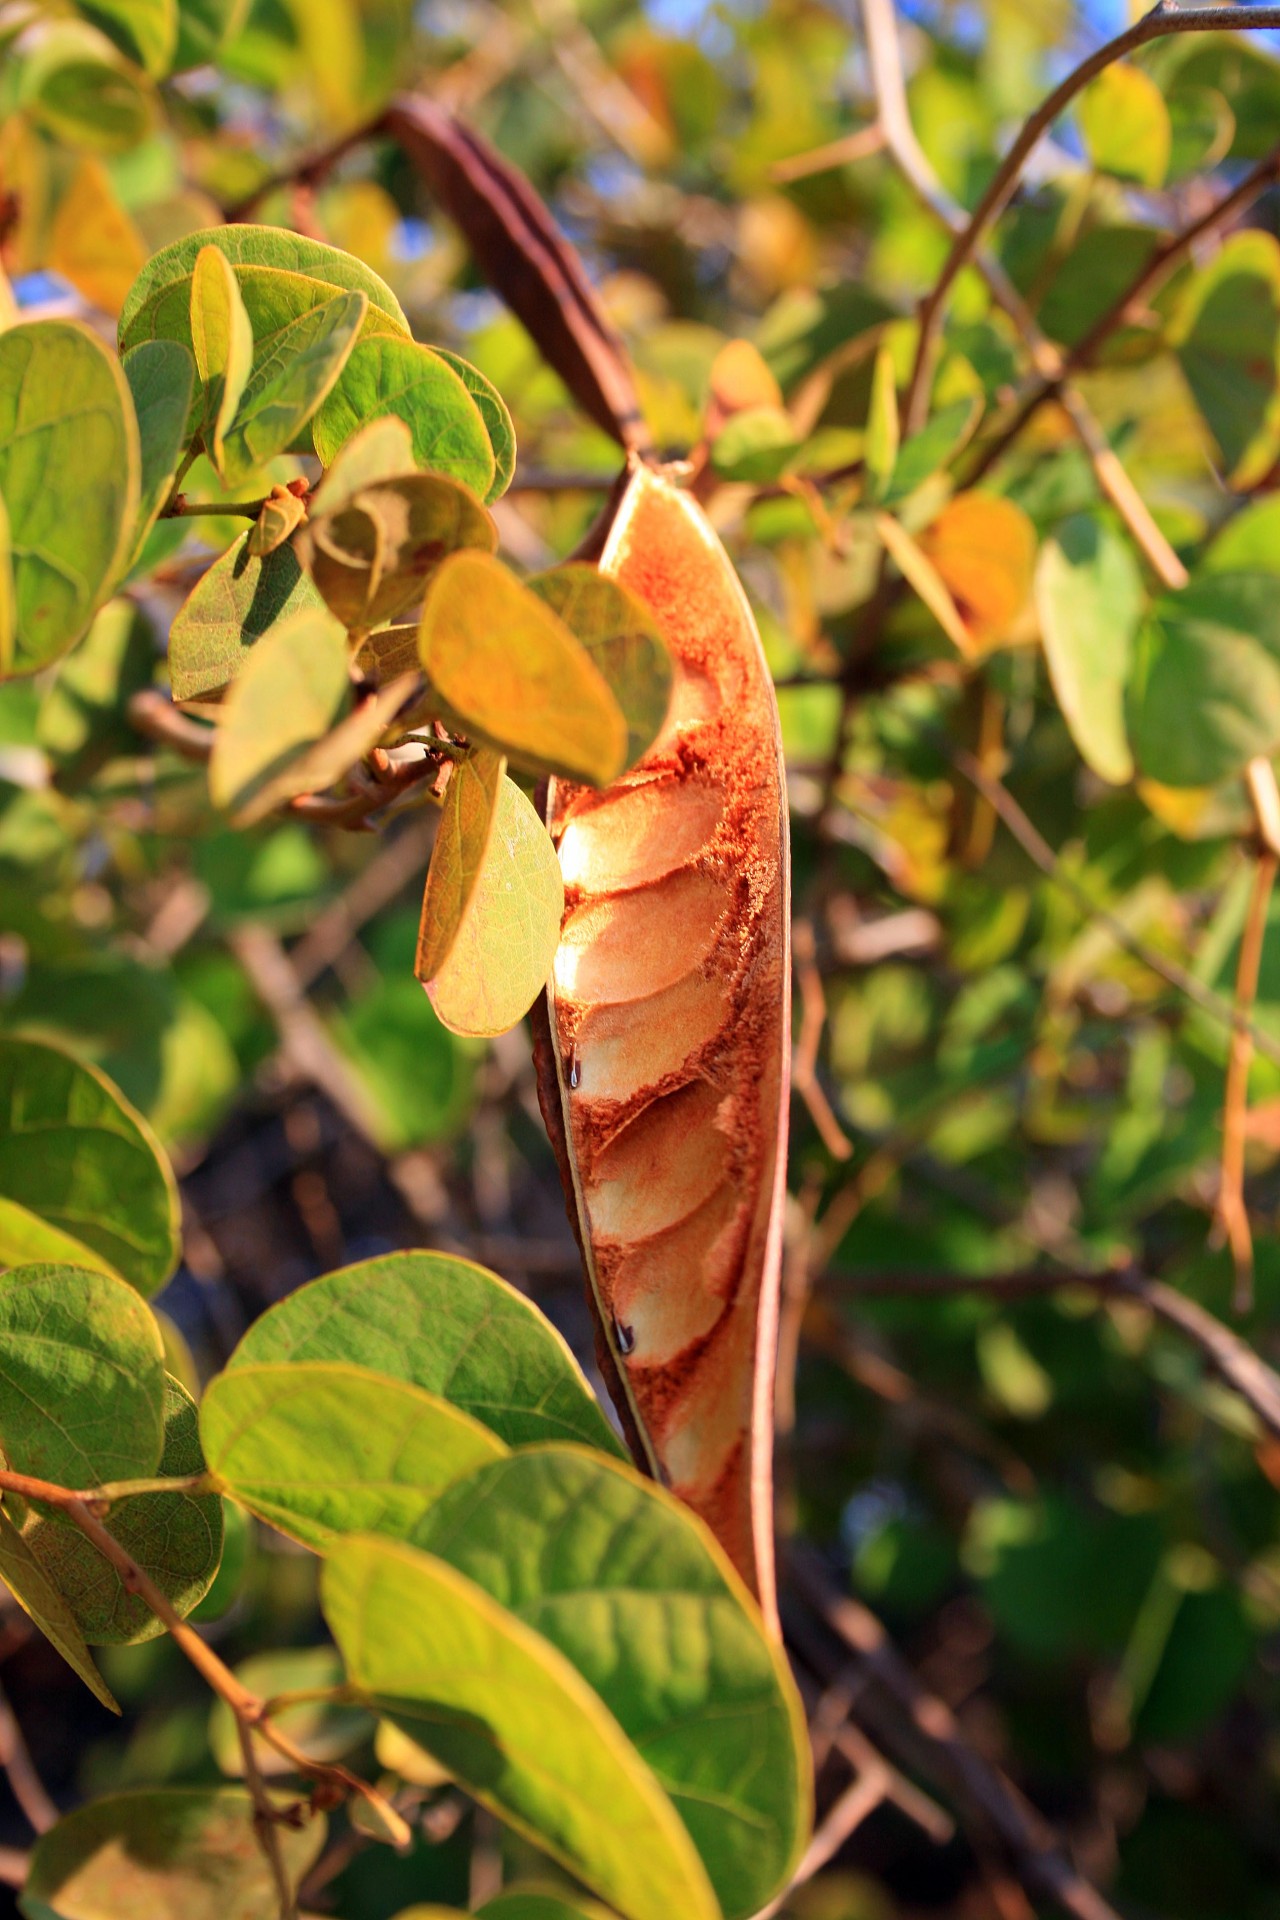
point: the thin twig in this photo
(836, 153)
(27, 1786)
(153, 713)
(1155, 25)
(813, 1017)
(309, 170)
(180, 508)
(1231, 1214)
(264, 1824)
(14, 1866)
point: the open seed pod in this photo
(663, 1062)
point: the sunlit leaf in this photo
(93, 243)
(391, 376)
(320, 1448)
(222, 343)
(293, 688)
(161, 376)
(511, 1719)
(445, 1325)
(882, 423)
(503, 949)
(7, 610)
(928, 451)
(35, 1593)
(74, 1153)
(636, 1594)
(496, 417)
(1249, 542)
(757, 446)
(984, 549)
(173, 1853)
(515, 675)
(1205, 696)
(283, 512)
(324, 1729)
(1126, 125)
(148, 28)
(531, 1902)
(227, 612)
(81, 1378)
(622, 637)
(740, 379)
(462, 841)
(1089, 597)
(1226, 331)
(176, 1538)
(78, 88)
(69, 475)
(288, 383)
(920, 573)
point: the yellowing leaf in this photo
(984, 549)
(222, 340)
(503, 949)
(1126, 125)
(740, 380)
(882, 422)
(93, 243)
(470, 807)
(515, 676)
(292, 691)
(919, 571)
(282, 514)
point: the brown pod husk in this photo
(664, 1054)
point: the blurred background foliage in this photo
(1068, 1526)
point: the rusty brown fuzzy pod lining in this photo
(664, 1056)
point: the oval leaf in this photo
(293, 689)
(503, 950)
(496, 417)
(81, 1377)
(288, 383)
(176, 1853)
(1226, 331)
(621, 636)
(222, 342)
(1206, 694)
(1126, 125)
(539, 1903)
(40, 1600)
(514, 1723)
(175, 1537)
(462, 840)
(390, 376)
(638, 1596)
(320, 1449)
(515, 675)
(448, 1326)
(373, 554)
(1089, 597)
(161, 375)
(227, 613)
(70, 475)
(75, 1154)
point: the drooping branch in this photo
(1163, 19)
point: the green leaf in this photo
(637, 1595)
(227, 613)
(30, 1586)
(509, 1717)
(532, 1902)
(462, 840)
(1202, 125)
(173, 1853)
(174, 1537)
(1226, 331)
(1249, 542)
(496, 417)
(222, 342)
(382, 450)
(419, 1077)
(161, 376)
(503, 950)
(372, 555)
(882, 423)
(445, 1325)
(76, 87)
(204, 29)
(26, 1239)
(1126, 125)
(160, 296)
(289, 382)
(324, 1729)
(293, 688)
(515, 676)
(928, 451)
(74, 1152)
(318, 1448)
(81, 1377)
(392, 376)
(147, 29)
(1206, 693)
(622, 637)
(757, 446)
(8, 613)
(69, 476)
(83, 720)
(1089, 597)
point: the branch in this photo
(1163, 19)
(308, 171)
(1127, 305)
(27, 1787)
(1231, 1214)
(813, 1017)
(885, 58)
(154, 714)
(1227, 1354)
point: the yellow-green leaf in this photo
(227, 612)
(462, 840)
(503, 949)
(36, 1594)
(515, 676)
(386, 375)
(288, 383)
(1126, 125)
(222, 341)
(882, 423)
(292, 691)
(622, 637)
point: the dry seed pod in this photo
(663, 1068)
